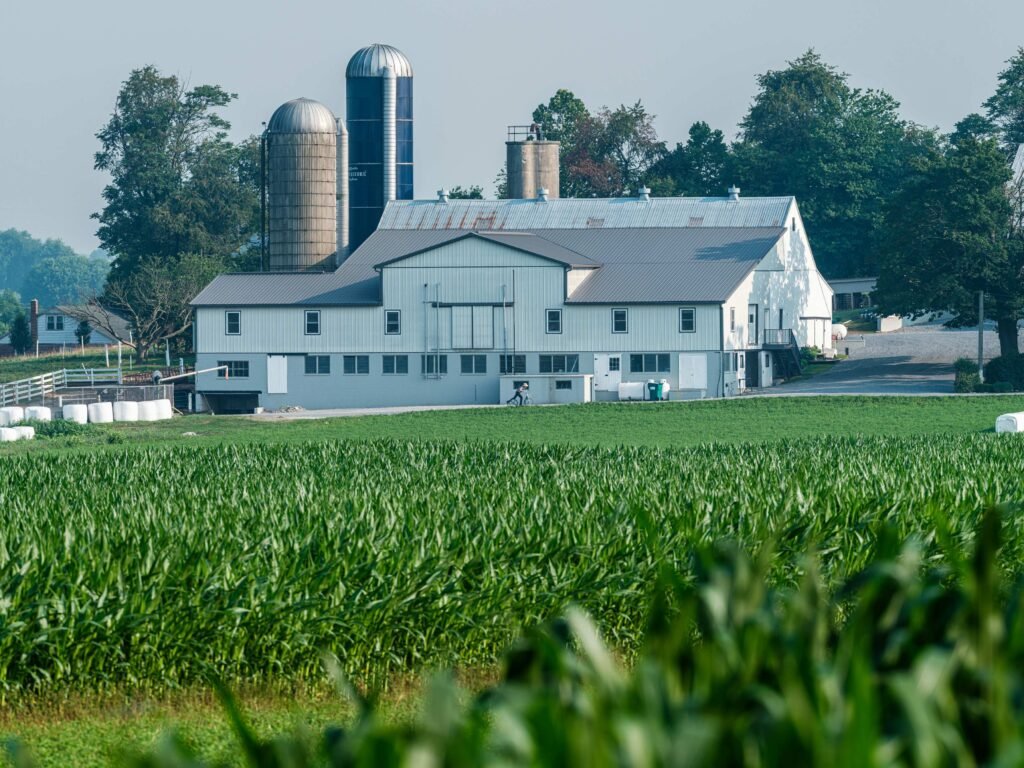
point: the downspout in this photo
(721, 348)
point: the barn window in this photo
(318, 365)
(236, 369)
(563, 384)
(650, 363)
(233, 322)
(512, 363)
(554, 320)
(687, 319)
(620, 321)
(55, 322)
(355, 365)
(396, 365)
(474, 364)
(434, 365)
(393, 322)
(559, 363)
(312, 322)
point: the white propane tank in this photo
(25, 433)
(8, 435)
(665, 387)
(839, 331)
(147, 411)
(1010, 422)
(38, 413)
(77, 412)
(11, 415)
(164, 409)
(101, 413)
(126, 410)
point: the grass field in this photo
(16, 368)
(135, 562)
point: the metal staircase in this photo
(781, 342)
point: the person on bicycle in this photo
(520, 395)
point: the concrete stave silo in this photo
(301, 150)
(379, 117)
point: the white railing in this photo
(39, 387)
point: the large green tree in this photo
(701, 167)
(20, 253)
(953, 234)
(1005, 108)
(840, 150)
(21, 334)
(65, 280)
(10, 308)
(177, 185)
(602, 154)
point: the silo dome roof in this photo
(371, 61)
(302, 116)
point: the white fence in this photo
(40, 387)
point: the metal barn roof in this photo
(573, 213)
(681, 264)
(371, 61)
(302, 116)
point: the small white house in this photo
(54, 328)
(451, 301)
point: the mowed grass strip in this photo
(742, 420)
(155, 569)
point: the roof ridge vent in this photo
(644, 194)
(734, 193)
(542, 194)
(442, 195)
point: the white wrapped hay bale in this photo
(11, 415)
(164, 409)
(38, 413)
(25, 433)
(147, 411)
(127, 410)
(7, 435)
(1010, 422)
(76, 412)
(101, 413)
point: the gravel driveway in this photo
(912, 361)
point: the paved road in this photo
(913, 361)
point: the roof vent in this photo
(734, 192)
(542, 194)
(644, 194)
(442, 195)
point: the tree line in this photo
(929, 213)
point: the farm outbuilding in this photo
(447, 297)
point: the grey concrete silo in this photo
(301, 151)
(378, 113)
(531, 163)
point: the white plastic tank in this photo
(11, 415)
(632, 390)
(38, 413)
(25, 433)
(665, 387)
(77, 412)
(1010, 422)
(148, 411)
(8, 435)
(126, 410)
(101, 413)
(839, 331)
(164, 409)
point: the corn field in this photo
(163, 567)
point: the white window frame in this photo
(548, 314)
(305, 322)
(355, 359)
(317, 372)
(437, 360)
(625, 319)
(476, 359)
(387, 322)
(227, 322)
(693, 319)
(222, 374)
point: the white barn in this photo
(456, 301)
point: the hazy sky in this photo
(479, 65)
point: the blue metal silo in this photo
(378, 90)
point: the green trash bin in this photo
(653, 390)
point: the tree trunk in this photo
(1007, 327)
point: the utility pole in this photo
(981, 336)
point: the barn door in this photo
(277, 374)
